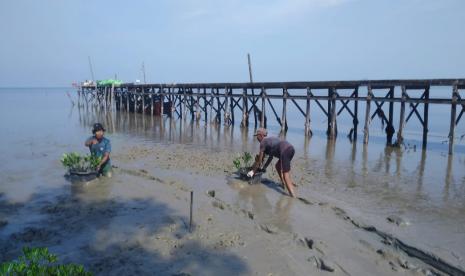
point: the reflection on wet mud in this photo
(396, 167)
(264, 212)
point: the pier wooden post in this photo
(390, 127)
(400, 138)
(453, 114)
(172, 102)
(162, 100)
(191, 105)
(120, 99)
(218, 111)
(328, 114)
(143, 101)
(102, 98)
(184, 103)
(107, 97)
(262, 117)
(355, 120)
(112, 93)
(366, 129)
(425, 118)
(211, 106)
(254, 107)
(308, 132)
(135, 100)
(152, 97)
(245, 108)
(226, 107)
(127, 99)
(231, 107)
(284, 113)
(197, 106)
(332, 130)
(205, 105)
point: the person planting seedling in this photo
(275, 147)
(100, 146)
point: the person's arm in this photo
(256, 165)
(258, 162)
(90, 141)
(267, 162)
(106, 155)
(105, 158)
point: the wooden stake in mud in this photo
(191, 207)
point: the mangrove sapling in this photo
(242, 161)
(74, 162)
(39, 261)
(243, 164)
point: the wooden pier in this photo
(216, 103)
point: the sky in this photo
(48, 42)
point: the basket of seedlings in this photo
(243, 164)
(81, 168)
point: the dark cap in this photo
(262, 132)
(97, 127)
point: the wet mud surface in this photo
(137, 222)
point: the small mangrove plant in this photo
(75, 162)
(39, 261)
(243, 161)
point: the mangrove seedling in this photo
(39, 261)
(75, 162)
(243, 161)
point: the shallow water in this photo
(38, 125)
(426, 187)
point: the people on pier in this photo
(275, 147)
(100, 146)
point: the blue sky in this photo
(46, 43)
